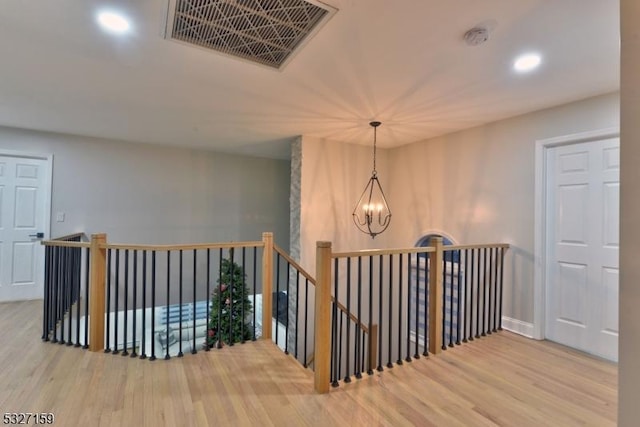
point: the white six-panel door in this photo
(23, 214)
(583, 191)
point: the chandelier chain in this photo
(374, 149)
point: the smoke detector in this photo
(476, 36)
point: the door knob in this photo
(38, 235)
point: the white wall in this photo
(629, 347)
(333, 176)
(139, 193)
(478, 186)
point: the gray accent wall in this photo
(141, 193)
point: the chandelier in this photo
(372, 214)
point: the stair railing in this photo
(65, 289)
(421, 301)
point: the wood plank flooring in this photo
(500, 380)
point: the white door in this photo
(583, 197)
(23, 214)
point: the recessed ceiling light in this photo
(527, 62)
(113, 22)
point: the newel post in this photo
(97, 292)
(267, 284)
(322, 358)
(435, 296)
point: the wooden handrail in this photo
(72, 236)
(423, 249)
(294, 264)
(185, 247)
(480, 246)
(308, 276)
(374, 252)
(65, 244)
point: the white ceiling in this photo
(403, 62)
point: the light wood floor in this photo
(501, 380)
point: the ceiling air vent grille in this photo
(263, 31)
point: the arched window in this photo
(426, 240)
(454, 303)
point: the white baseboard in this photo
(517, 326)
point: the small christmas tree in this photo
(230, 306)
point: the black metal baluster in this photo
(255, 269)
(369, 335)
(78, 279)
(63, 295)
(143, 353)
(380, 317)
(416, 355)
(427, 283)
(54, 295)
(297, 328)
(306, 319)
(444, 300)
(180, 305)
(286, 327)
(400, 283)
(69, 304)
(409, 282)
(477, 269)
(107, 349)
(72, 292)
(134, 332)
(66, 270)
(389, 357)
(451, 276)
(194, 350)
(244, 269)
(126, 300)
(117, 302)
(362, 345)
(358, 328)
(220, 302)
(207, 347)
(231, 288)
(490, 316)
(86, 297)
(277, 296)
(459, 311)
(45, 305)
(484, 293)
(340, 328)
(501, 286)
(335, 348)
(166, 354)
(347, 378)
(471, 286)
(494, 265)
(466, 295)
(153, 306)
(333, 375)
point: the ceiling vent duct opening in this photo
(266, 32)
